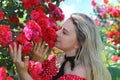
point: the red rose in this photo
(110, 9)
(106, 1)
(39, 8)
(53, 24)
(28, 4)
(21, 38)
(2, 73)
(115, 12)
(26, 45)
(13, 19)
(34, 15)
(93, 3)
(35, 71)
(1, 15)
(36, 2)
(115, 58)
(103, 15)
(50, 36)
(5, 35)
(55, 12)
(47, 1)
(9, 78)
(25, 1)
(44, 23)
(30, 65)
(26, 48)
(116, 42)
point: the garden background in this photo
(17, 15)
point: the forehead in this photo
(68, 25)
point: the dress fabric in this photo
(49, 70)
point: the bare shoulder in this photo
(59, 60)
(79, 71)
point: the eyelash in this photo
(63, 32)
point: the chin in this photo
(57, 46)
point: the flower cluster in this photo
(5, 35)
(104, 11)
(13, 19)
(43, 71)
(35, 69)
(26, 45)
(28, 4)
(93, 3)
(44, 27)
(26, 22)
(55, 12)
(108, 17)
(114, 36)
(41, 24)
(1, 15)
(47, 24)
(116, 58)
(3, 75)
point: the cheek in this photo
(61, 43)
(67, 42)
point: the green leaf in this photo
(115, 73)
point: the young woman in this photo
(80, 40)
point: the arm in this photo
(24, 76)
(20, 65)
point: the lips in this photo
(58, 40)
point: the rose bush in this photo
(26, 22)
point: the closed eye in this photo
(65, 31)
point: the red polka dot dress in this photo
(70, 77)
(49, 70)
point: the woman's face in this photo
(66, 37)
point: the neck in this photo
(70, 53)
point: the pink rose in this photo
(2, 73)
(32, 31)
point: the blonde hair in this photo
(89, 54)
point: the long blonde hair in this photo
(89, 54)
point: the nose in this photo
(58, 33)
